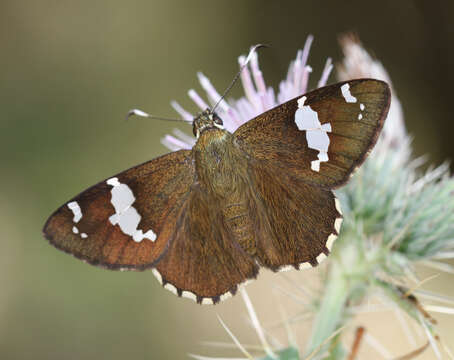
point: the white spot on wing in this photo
(300, 266)
(157, 274)
(331, 239)
(337, 224)
(189, 295)
(75, 208)
(207, 301)
(316, 133)
(225, 296)
(77, 212)
(347, 94)
(126, 216)
(361, 108)
(286, 268)
(304, 265)
(113, 182)
(338, 205)
(171, 288)
(321, 257)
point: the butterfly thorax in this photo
(220, 165)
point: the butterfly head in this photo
(206, 120)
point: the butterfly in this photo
(206, 219)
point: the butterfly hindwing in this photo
(296, 223)
(100, 224)
(323, 136)
(204, 262)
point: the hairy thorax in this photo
(221, 166)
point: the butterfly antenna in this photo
(249, 57)
(137, 112)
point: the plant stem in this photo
(331, 308)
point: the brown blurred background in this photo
(70, 70)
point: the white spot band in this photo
(75, 208)
(316, 133)
(126, 216)
(347, 94)
(77, 212)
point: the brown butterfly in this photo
(206, 219)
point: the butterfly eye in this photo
(217, 120)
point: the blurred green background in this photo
(70, 70)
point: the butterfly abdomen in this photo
(220, 166)
(239, 223)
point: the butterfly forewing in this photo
(320, 137)
(125, 222)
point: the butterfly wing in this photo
(126, 221)
(297, 152)
(296, 223)
(322, 136)
(203, 262)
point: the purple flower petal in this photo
(257, 98)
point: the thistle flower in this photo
(258, 97)
(395, 216)
(405, 219)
